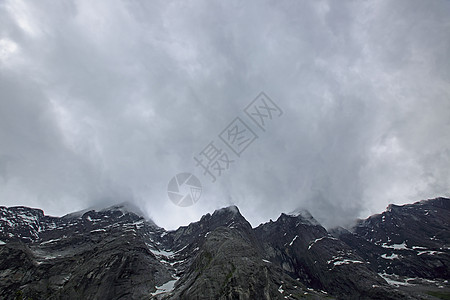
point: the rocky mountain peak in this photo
(228, 213)
(126, 207)
(304, 216)
(232, 209)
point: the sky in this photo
(106, 101)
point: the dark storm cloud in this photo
(105, 101)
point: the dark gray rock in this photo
(115, 253)
(411, 240)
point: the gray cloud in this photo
(105, 101)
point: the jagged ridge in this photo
(115, 253)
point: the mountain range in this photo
(116, 253)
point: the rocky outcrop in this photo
(411, 240)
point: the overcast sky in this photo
(105, 101)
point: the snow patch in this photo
(158, 252)
(418, 248)
(429, 252)
(280, 289)
(293, 240)
(166, 287)
(319, 239)
(181, 249)
(139, 224)
(401, 246)
(50, 241)
(392, 256)
(346, 262)
(389, 279)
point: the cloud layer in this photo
(106, 101)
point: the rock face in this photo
(96, 255)
(411, 240)
(115, 253)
